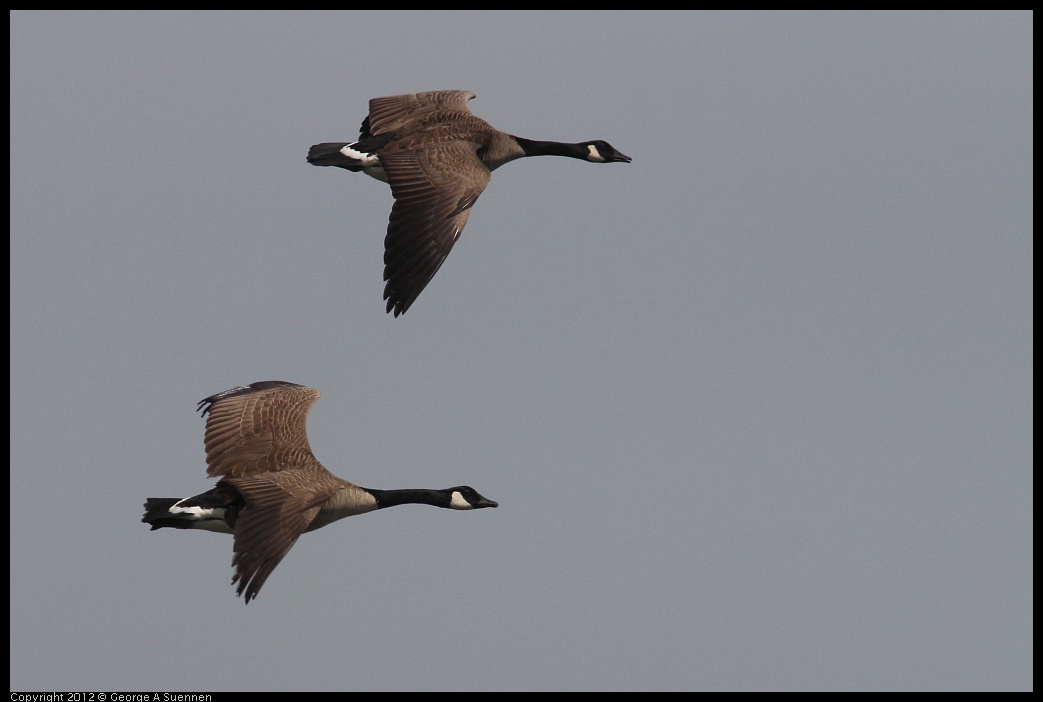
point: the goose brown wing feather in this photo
(402, 112)
(434, 189)
(258, 429)
(278, 508)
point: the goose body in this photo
(437, 157)
(271, 488)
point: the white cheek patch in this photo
(458, 502)
(593, 154)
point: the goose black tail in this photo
(157, 513)
(329, 154)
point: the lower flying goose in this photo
(272, 489)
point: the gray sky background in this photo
(757, 407)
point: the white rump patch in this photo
(362, 157)
(209, 519)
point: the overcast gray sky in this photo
(756, 407)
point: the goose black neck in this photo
(391, 498)
(551, 148)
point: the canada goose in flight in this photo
(438, 158)
(272, 489)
